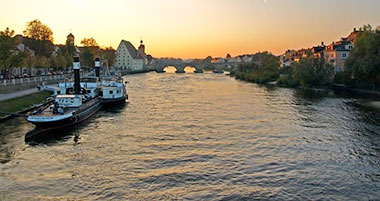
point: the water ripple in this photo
(202, 137)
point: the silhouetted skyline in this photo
(196, 28)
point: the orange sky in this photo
(196, 28)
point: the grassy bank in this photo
(23, 103)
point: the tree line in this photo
(40, 51)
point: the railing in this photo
(20, 81)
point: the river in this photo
(201, 137)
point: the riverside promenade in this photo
(8, 96)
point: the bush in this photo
(313, 72)
(265, 69)
(288, 81)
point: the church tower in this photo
(142, 49)
(70, 39)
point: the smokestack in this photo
(97, 67)
(76, 67)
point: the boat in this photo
(68, 109)
(112, 89)
(113, 92)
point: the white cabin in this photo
(69, 100)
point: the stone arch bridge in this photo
(198, 65)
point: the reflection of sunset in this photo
(188, 29)
(172, 69)
(189, 69)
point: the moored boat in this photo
(113, 92)
(67, 109)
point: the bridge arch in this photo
(170, 69)
(194, 68)
(179, 65)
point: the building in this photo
(142, 53)
(218, 60)
(128, 58)
(318, 51)
(337, 54)
(292, 56)
(287, 59)
(71, 39)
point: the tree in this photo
(87, 58)
(9, 55)
(108, 54)
(42, 62)
(266, 68)
(7, 32)
(37, 30)
(89, 42)
(312, 72)
(58, 62)
(29, 61)
(363, 64)
(69, 59)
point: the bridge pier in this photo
(180, 69)
(197, 70)
(160, 70)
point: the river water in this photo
(201, 137)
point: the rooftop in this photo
(131, 49)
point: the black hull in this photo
(111, 102)
(43, 129)
(55, 123)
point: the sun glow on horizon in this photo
(195, 28)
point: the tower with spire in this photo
(141, 49)
(70, 39)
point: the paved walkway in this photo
(17, 94)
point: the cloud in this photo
(265, 1)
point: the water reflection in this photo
(201, 137)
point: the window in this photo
(344, 55)
(111, 92)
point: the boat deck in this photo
(48, 112)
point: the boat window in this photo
(111, 92)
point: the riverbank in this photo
(124, 73)
(22, 104)
(365, 93)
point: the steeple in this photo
(141, 49)
(71, 39)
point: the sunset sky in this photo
(196, 28)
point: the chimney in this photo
(323, 44)
(97, 67)
(76, 67)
